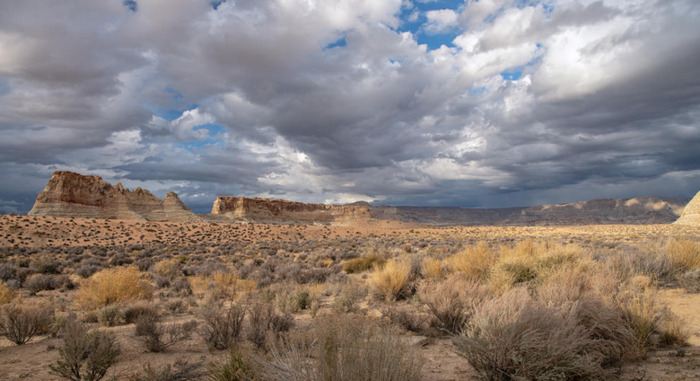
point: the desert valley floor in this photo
(307, 272)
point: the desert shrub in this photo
(87, 269)
(452, 302)
(221, 285)
(262, 319)
(342, 348)
(179, 371)
(168, 268)
(114, 285)
(235, 367)
(690, 280)
(84, 355)
(45, 265)
(672, 330)
(392, 280)
(402, 317)
(638, 300)
(684, 254)
(38, 282)
(19, 323)
(157, 337)
(132, 312)
(294, 298)
(109, 316)
(182, 286)
(6, 294)
(517, 337)
(349, 296)
(7, 271)
(361, 264)
(222, 325)
(473, 261)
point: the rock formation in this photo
(283, 211)
(641, 210)
(71, 194)
(691, 212)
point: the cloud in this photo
(535, 101)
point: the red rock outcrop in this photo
(70, 194)
(691, 212)
(283, 211)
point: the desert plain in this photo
(305, 274)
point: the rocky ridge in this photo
(283, 211)
(70, 194)
(691, 212)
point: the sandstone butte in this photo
(691, 213)
(283, 211)
(70, 194)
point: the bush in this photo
(684, 254)
(19, 324)
(403, 318)
(132, 313)
(690, 280)
(262, 319)
(6, 294)
(344, 348)
(474, 261)
(116, 285)
(393, 280)
(640, 310)
(358, 265)
(168, 268)
(84, 355)
(234, 368)
(516, 337)
(452, 302)
(109, 316)
(222, 326)
(157, 337)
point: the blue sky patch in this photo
(215, 3)
(131, 4)
(336, 44)
(213, 129)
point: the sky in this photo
(489, 103)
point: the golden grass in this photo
(684, 254)
(222, 284)
(474, 261)
(432, 268)
(6, 294)
(392, 279)
(115, 285)
(168, 268)
(638, 300)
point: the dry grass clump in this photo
(235, 367)
(473, 261)
(684, 254)
(432, 268)
(638, 300)
(518, 337)
(168, 268)
(6, 294)
(452, 302)
(221, 285)
(392, 280)
(115, 285)
(342, 348)
(364, 263)
(528, 262)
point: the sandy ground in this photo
(31, 361)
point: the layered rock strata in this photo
(70, 194)
(283, 211)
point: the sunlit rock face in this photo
(691, 213)
(70, 194)
(283, 211)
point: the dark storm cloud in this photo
(602, 100)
